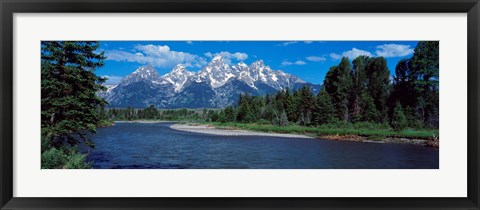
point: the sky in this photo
(309, 60)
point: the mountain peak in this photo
(258, 62)
(146, 71)
(242, 64)
(217, 57)
(179, 68)
(178, 76)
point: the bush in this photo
(53, 159)
(77, 160)
(64, 158)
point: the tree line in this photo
(152, 113)
(359, 91)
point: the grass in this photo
(371, 131)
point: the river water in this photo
(157, 146)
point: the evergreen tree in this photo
(399, 121)
(245, 113)
(283, 119)
(324, 111)
(150, 112)
(229, 114)
(425, 76)
(369, 110)
(69, 89)
(306, 105)
(290, 106)
(359, 86)
(378, 78)
(338, 84)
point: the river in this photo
(157, 146)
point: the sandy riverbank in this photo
(229, 132)
(208, 129)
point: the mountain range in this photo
(217, 85)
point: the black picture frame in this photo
(10, 7)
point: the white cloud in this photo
(393, 50)
(335, 56)
(288, 43)
(208, 54)
(385, 50)
(294, 42)
(157, 55)
(288, 63)
(351, 54)
(228, 56)
(112, 80)
(316, 58)
(300, 63)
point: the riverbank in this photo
(209, 129)
(372, 135)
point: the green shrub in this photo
(53, 159)
(77, 160)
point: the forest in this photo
(359, 91)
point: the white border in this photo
(449, 181)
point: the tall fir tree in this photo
(425, 72)
(359, 87)
(69, 89)
(338, 85)
(378, 85)
(324, 111)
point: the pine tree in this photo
(229, 114)
(324, 111)
(150, 112)
(245, 113)
(283, 119)
(338, 85)
(369, 110)
(359, 86)
(305, 106)
(399, 121)
(290, 106)
(425, 76)
(68, 88)
(378, 78)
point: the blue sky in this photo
(309, 60)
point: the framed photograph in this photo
(239, 105)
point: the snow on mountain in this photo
(177, 77)
(216, 85)
(243, 74)
(144, 73)
(216, 73)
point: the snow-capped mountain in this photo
(144, 73)
(177, 77)
(217, 85)
(216, 73)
